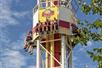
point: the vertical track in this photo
(63, 51)
(57, 48)
(38, 55)
(47, 55)
(70, 61)
(52, 51)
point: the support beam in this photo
(47, 55)
(63, 46)
(50, 54)
(52, 51)
(48, 41)
(70, 57)
(70, 60)
(38, 55)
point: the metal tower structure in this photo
(54, 24)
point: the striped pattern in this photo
(55, 49)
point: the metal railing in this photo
(35, 8)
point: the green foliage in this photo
(96, 55)
(95, 6)
(90, 31)
(85, 8)
(97, 24)
(85, 33)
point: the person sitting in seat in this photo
(31, 47)
(28, 40)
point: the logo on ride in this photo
(48, 13)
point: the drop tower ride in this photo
(54, 24)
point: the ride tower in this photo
(54, 24)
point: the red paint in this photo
(56, 3)
(64, 24)
(57, 50)
(44, 44)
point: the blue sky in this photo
(15, 21)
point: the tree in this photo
(95, 6)
(96, 55)
(85, 33)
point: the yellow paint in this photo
(52, 51)
(47, 55)
(35, 36)
(53, 8)
(50, 45)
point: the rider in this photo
(28, 40)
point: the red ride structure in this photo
(54, 25)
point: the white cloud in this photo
(3, 36)
(6, 14)
(18, 44)
(7, 18)
(10, 55)
(21, 14)
(12, 59)
(85, 48)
